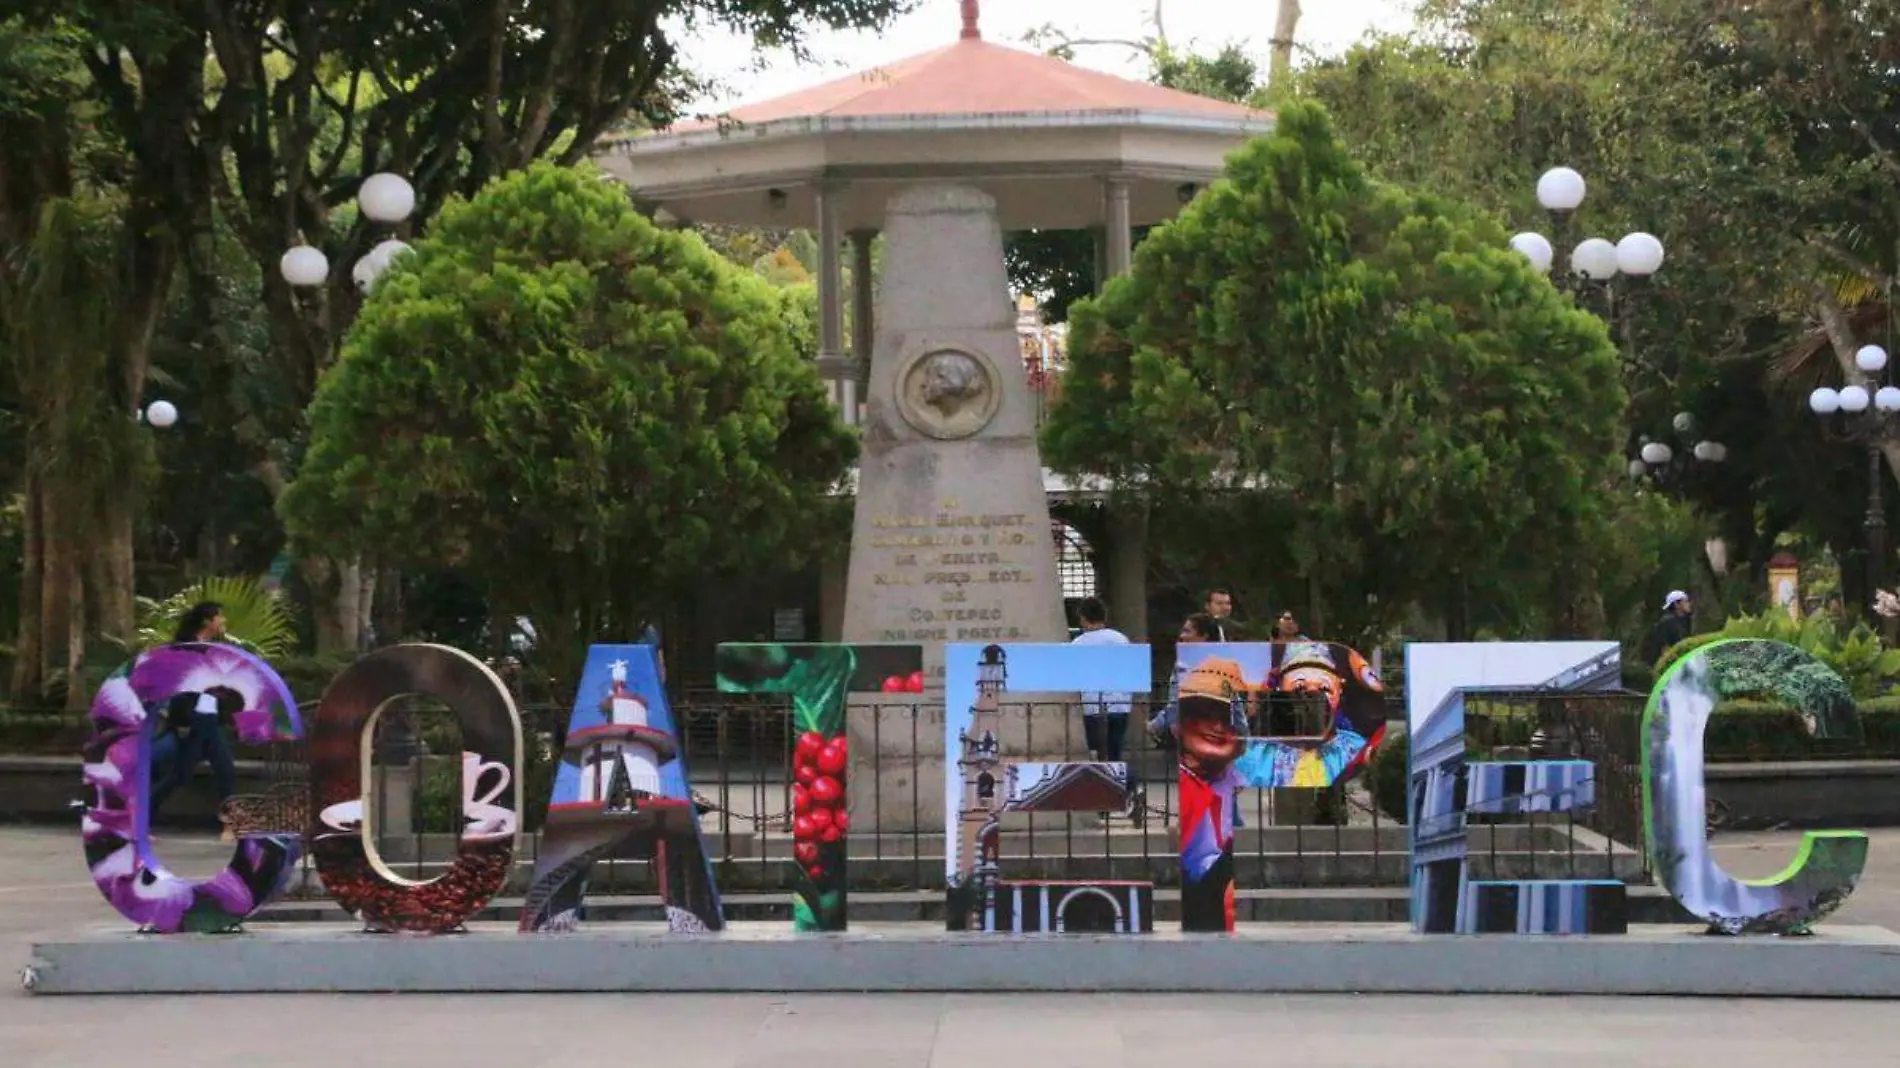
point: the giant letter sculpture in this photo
(1213, 686)
(1829, 865)
(126, 717)
(819, 678)
(1445, 900)
(621, 790)
(344, 842)
(976, 783)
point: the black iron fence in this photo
(737, 751)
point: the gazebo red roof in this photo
(975, 77)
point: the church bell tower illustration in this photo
(981, 807)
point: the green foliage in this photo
(1751, 731)
(1857, 656)
(583, 412)
(309, 676)
(1753, 128)
(255, 617)
(1388, 777)
(1360, 348)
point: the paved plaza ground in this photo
(44, 892)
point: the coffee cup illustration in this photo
(482, 817)
(344, 817)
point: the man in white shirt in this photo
(1104, 715)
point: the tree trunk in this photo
(1128, 567)
(1280, 66)
(29, 661)
(56, 605)
(1458, 619)
(336, 602)
(389, 605)
(112, 574)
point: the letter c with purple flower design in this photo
(118, 777)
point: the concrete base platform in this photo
(1843, 962)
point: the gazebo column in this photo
(1121, 229)
(1127, 520)
(834, 364)
(863, 309)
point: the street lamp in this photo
(1593, 261)
(388, 199)
(161, 414)
(1868, 411)
(1665, 465)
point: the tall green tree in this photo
(269, 115)
(1742, 150)
(584, 412)
(69, 448)
(1359, 348)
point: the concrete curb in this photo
(1843, 962)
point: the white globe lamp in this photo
(385, 254)
(364, 273)
(1535, 248)
(1871, 359)
(1594, 260)
(387, 198)
(1639, 255)
(1855, 399)
(304, 266)
(1824, 401)
(1638, 469)
(1657, 453)
(162, 414)
(1684, 422)
(1561, 189)
(1888, 399)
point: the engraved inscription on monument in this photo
(948, 394)
(955, 568)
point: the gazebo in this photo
(1058, 146)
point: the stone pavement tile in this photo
(846, 1031)
(1046, 1031)
(507, 1031)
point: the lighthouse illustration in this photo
(620, 763)
(610, 801)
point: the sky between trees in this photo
(1326, 27)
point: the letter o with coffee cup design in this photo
(343, 842)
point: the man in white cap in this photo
(1676, 624)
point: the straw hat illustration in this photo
(1217, 679)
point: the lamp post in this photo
(1666, 466)
(387, 200)
(1866, 412)
(1594, 260)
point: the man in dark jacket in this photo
(1676, 624)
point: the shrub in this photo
(1386, 776)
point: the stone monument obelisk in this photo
(951, 541)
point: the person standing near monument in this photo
(1104, 715)
(1196, 629)
(1218, 606)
